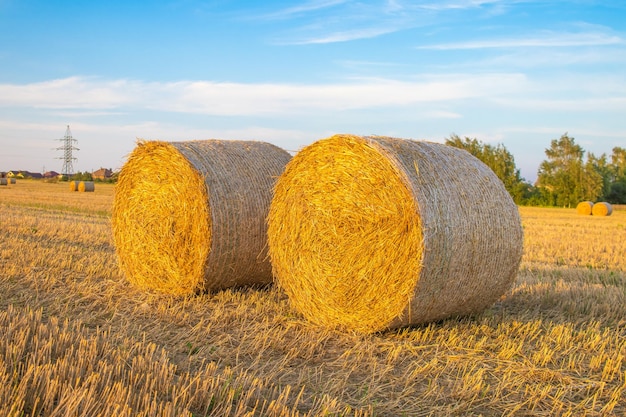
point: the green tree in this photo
(617, 189)
(597, 177)
(561, 173)
(501, 162)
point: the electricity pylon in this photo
(67, 148)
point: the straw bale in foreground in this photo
(370, 233)
(602, 209)
(86, 186)
(190, 216)
(584, 208)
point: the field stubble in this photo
(79, 340)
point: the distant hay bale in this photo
(86, 186)
(191, 216)
(584, 208)
(602, 209)
(12, 180)
(3, 181)
(373, 233)
(74, 185)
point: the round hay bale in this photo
(191, 216)
(74, 185)
(602, 209)
(86, 186)
(584, 208)
(374, 233)
(3, 181)
(11, 180)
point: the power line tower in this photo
(67, 148)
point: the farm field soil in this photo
(79, 340)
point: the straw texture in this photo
(584, 208)
(190, 216)
(86, 186)
(371, 233)
(602, 209)
(74, 185)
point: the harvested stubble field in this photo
(78, 340)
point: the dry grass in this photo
(372, 233)
(554, 345)
(190, 216)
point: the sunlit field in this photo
(78, 340)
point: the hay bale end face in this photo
(191, 216)
(602, 209)
(86, 186)
(372, 233)
(74, 185)
(584, 208)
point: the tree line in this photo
(565, 178)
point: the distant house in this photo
(102, 174)
(23, 174)
(51, 174)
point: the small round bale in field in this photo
(191, 216)
(3, 181)
(74, 185)
(602, 209)
(584, 208)
(373, 233)
(86, 186)
(12, 180)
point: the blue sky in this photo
(515, 72)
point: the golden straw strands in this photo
(190, 216)
(370, 233)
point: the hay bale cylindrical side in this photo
(74, 185)
(602, 209)
(86, 186)
(12, 180)
(584, 208)
(3, 181)
(372, 233)
(191, 216)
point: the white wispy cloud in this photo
(543, 40)
(460, 4)
(213, 98)
(345, 35)
(307, 7)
